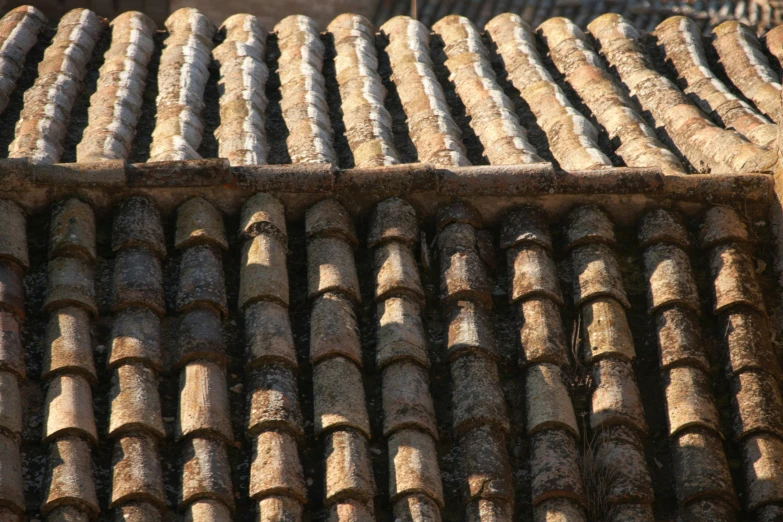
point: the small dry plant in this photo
(597, 477)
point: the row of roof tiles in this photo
(612, 97)
(480, 425)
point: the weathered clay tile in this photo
(541, 334)
(264, 272)
(301, 60)
(416, 508)
(606, 333)
(554, 466)
(558, 510)
(241, 135)
(631, 483)
(70, 476)
(136, 512)
(11, 351)
(351, 511)
(485, 466)
(700, 467)
(206, 472)
(769, 513)
(135, 403)
(274, 403)
(333, 329)
(115, 107)
(740, 55)
(758, 406)
(631, 513)
(463, 275)
(24, 25)
(400, 333)
(138, 280)
(42, 125)
(596, 274)
(689, 401)
(458, 212)
(199, 223)
(203, 401)
(413, 466)
(734, 278)
(10, 405)
(722, 225)
(469, 330)
(70, 284)
(331, 268)
(69, 344)
(348, 470)
(279, 509)
(11, 481)
(181, 83)
(275, 469)
(547, 403)
(526, 224)
(748, 340)
(615, 398)
(492, 116)
(572, 139)
(339, 396)
(662, 226)
(329, 218)
(201, 281)
(268, 335)
(706, 146)
(533, 273)
(762, 457)
(68, 408)
(263, 214)
(588, 224)
(432, 129)
(396, 272)
(72, 231)
(136, 473)
(679, 39)
(407, 402)
(476, 395)
(707, 510)
(393, 220)
(13, 234)
(137, 223)
(670, 279)
(679, 339)
(206, 510)
(200, 336)
(489, 510)
(136, 338)
(367, 122)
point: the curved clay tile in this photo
(182, 78)
(740, 54)
(69, 420)
(303, 89)
(705, 145)
(679, 39)
(409, 414)
(116, 105)
(43, 123)
(19, 31)
(492, 114)
(700, 465)
(430, 125)
(572, 138)
(243, 74)
(275, 416)
(135, 420)
(630, 136)
(367, 122)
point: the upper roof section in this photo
(353, 95)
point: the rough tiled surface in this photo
(352, 95)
